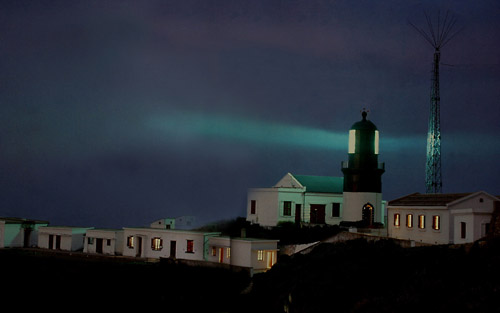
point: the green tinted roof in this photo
(325, 184)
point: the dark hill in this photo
(361, 276)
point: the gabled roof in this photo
(321, 184)
(430, 199)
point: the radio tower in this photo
(438, 36)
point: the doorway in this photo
(98, 248)
(138, 252)
(270, 259)
(298, 209)
(173, 248)
(58, 242)
(27, 237)
(221, 255)
(317, 214)
(368, 214)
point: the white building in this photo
(155, 243)
(297, 198)
(184, 222)
(355, 197)
(258, 254)
(19, 232)
(62, 237)
(158, 243)
(441, 218)
(104, 241)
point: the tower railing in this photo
(380, 166)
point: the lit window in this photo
(376, 141)
(130, 241)
(287, 208)
(421, 221)
(397, 221)
(253, 206)
(260, 255)
(436, 224)
(190, 246)
(335, 209)
(352, 141)
(214, 251)
(156, 243)
(463, 230)
(409, 220)
(228, 253)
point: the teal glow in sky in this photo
(184, 128)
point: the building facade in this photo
(258, 254)
(19, 232)
(64, 238)
(297, 199)
(104, 241)
(441, 218)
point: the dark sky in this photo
(117, 113)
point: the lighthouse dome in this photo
(364, 124)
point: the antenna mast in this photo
(438, 36)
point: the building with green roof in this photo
(306, 199)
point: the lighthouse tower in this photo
(362, 198)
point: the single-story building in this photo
(258, 254)
(156, 243)
(104, 241)
(62, 237)
(441, 218)
(166, 243)
(19, 232)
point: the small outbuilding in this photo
(65, 238)
(258, 254)
(19, 232)
(156, 243)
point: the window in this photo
(397, 221)
(156, 243)
(260, 255)
(463, 230)
(228, 253)
(130, 241)
(335, 209)
(436, 223)
(214, 251)
(108, 242)
(421, 221)
(409, 220)
(376, 142)
(90, 240)
(287, 208)
(190, 246)
(253, 206)
(352, 141)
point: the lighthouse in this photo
(362, 194)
